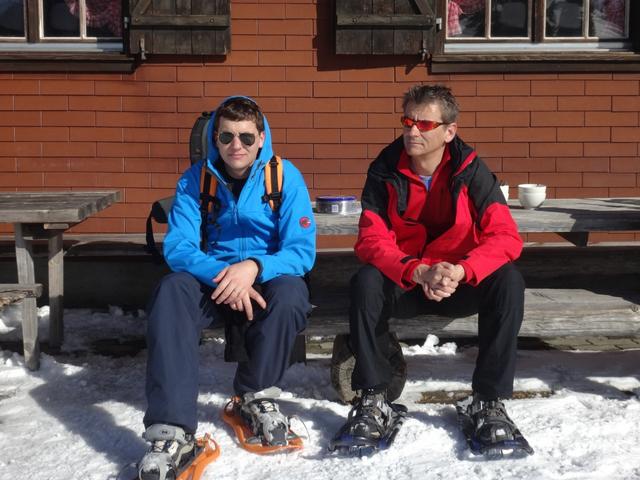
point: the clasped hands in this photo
(439, 280)
(235, 287)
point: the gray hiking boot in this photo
(264, 418)
(171, 449)
(370, 416)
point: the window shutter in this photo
(186, 27)
(384, 27)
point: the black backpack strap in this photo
(198, 138)
(160, 213)
(208, 202)
(273, 183)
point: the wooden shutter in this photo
(385, 26)
(187, 27)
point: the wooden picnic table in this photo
(572, 218)
(46, 215)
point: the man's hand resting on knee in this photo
(235, 287)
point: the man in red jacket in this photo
(436, 236)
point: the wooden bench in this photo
(26, 294)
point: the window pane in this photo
(61, 18)
(607, 18)
(509, 18)
(465, 18)
(104, 18)
(564, 18)
(11, 18)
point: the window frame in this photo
(538, 59)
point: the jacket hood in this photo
(264, 154)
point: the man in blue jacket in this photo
(252, 266)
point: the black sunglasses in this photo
(246, 138)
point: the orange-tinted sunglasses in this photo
(423, 125)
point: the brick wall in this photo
(577, 133)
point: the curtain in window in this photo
(458, 8)
(101, 15)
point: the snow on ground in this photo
(80, 415)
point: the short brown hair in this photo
(238, 109)
(427, 94)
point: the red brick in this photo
(120, 180)
(625, 164)
(339, 120)
(382, 89)
(94, 103)
(528, 164)
(122, 119)
(20, 149)
(285, 89)
(156, 165)
(480, 104)
(149, 104)
(356, 165)
(7, 134)
(610, 149)
(340, 151)
(296, 152)
(6, 102)
(583, 164)
(155, 73)
(622, 119)
(584, 134)
(316, 135)
(556, 149)
(154, 135)
(557, 119)
(216, 73)
(516, 76)
(43, 164)
(300, 11)
(284, 120)
(96, 164)
(195, 105)
(503, 149)
(504, 88)
(260, 42)
(168, 150)
(374, 149)
(66, 87)
(163, 180)
(40, 102)
(285, 58)
(255, 10)
(625, 134)
(360, 135)
(226, 89)
(270, 105)
(529, 134)
(261, 73)
(367, 75)
(128, 149)
(40, 134)
(297, 73)
(313, 105)
(176, 89)
(8, 165)
(69, 149)
(147, 195)
(70, 119)
(502, 119)
(77, 180)
(123, 87)
(418, 74)
(615, 87)
(466, 119)
(102, 225)
(478, 134)
(299, 42)
(557, 87)
(245, 27)
(531, 104)
(626, 104)
(378, 120)
(319, 165)
(557, 179)
(19, 87)
(285, 27)
(582, 192)
(96, 134)
(22, 180)
(332, 181)
(584, 103)
(339, 90)
(609, 179)
(20, 118)
(366, 105)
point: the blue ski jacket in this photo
(283, 241)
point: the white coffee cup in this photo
(531, 195)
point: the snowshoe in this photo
(175, 455)
(489, 431)
(372, 425)
(259, 425)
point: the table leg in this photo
(26, 274)
(56, 291)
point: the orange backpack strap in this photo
(208, 201)
(273, 182)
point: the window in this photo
(538, 35)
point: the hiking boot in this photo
(171, 449)
(264, 418)
(490, 422)
(371, 415)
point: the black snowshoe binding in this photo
(489, 430)
(372, 425)
(172, 450)
(267, 423)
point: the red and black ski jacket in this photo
(469, 222)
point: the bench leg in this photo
(56, 289)
(24, 259)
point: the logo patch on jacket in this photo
(305, 222)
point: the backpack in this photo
(209, 204)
